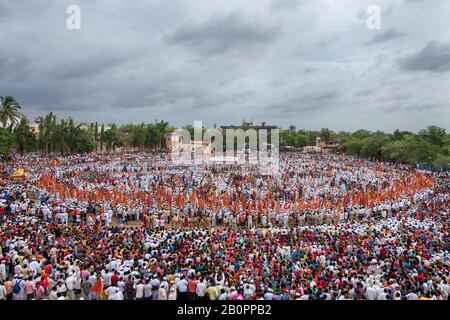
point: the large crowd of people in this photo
(138, 227)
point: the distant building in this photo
(168, 140)
(201, 147)
(322, 146)
(34, 128)
(249, 125)
(330, 146)
(85, 126)
(315, 148)
(186, 150)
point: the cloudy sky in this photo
(312, 64)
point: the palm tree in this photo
(9, 111)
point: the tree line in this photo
(429, 146)
(64, 136)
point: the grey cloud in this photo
(412, 107)
(362, 14)
(222, 67)
(385, 36)
(434, 57)
(3, 12)
(27, 8)
(415, 1)
(385, 11)
(327, 95)
(306, 102)
(43, 96)
(223, 34)
(13, 67)
(282, 5)
(91, 64)
(309, 70)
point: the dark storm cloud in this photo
(43, 96)
(13, 67)
(221, 34)
(385, 36)
(434, 57)
(296, 62)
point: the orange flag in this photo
(169, 200)
(98, 287)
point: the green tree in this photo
(24, 137)
(372, 145)
(325, 135)
(442, 161)
(434, 135)
(301, 140)
(84, 140)
(396, 151)
(9, 113)
(111, 137)
(61, 137)
(422, 151)
(47, 133)
(137, 136)
(96, 136)
(292, 129)
(102, 137)
(7, 142)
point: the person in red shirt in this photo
(44, 283)
(115, 279)
(192, 288)
(48, 269)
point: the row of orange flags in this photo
(166, 198)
